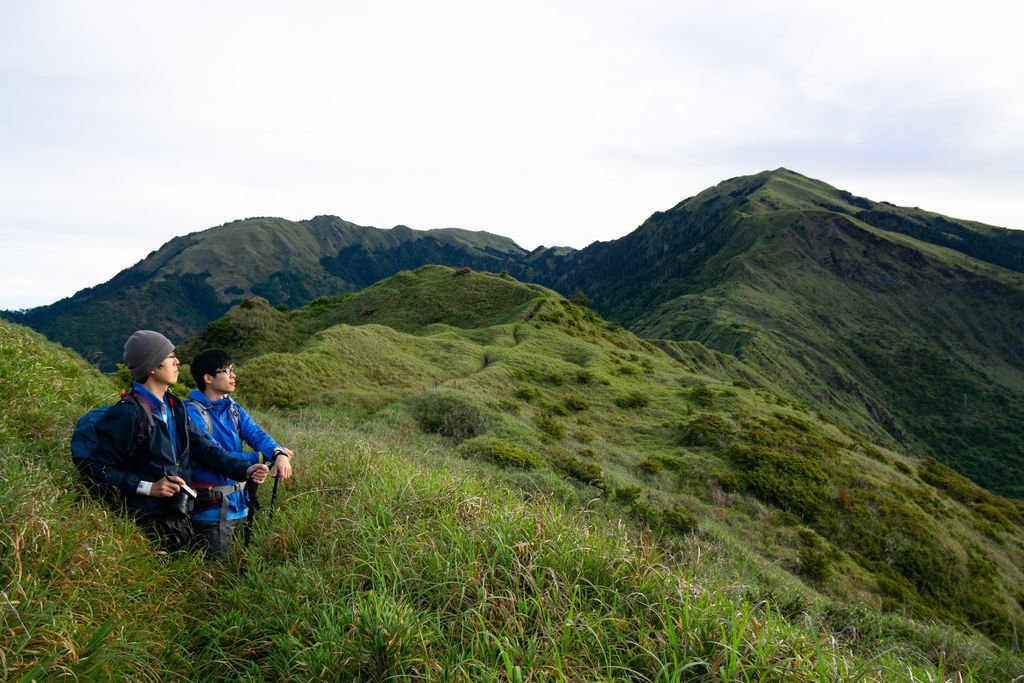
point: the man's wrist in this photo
(281, 451)
(145, 488)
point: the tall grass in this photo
(392, 558)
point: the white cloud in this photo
(549, 122)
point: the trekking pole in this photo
(277, 479)
(273, 496)
(253, 503)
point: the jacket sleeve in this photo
(208, 453)
(111, 462)
(254, 435)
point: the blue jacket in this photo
(114, 464)
(231, 437)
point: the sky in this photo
(559, 122)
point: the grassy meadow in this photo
(520, 492)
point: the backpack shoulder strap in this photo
(145, 417)
(238, 418)
(204, 410)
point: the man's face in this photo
(167, 371)
(222, 381)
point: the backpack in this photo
(209, 495)
(204, 410)
(84, 441)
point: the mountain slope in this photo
(898, 323)
(915, 344)
(545, 385)
(193, 279)
(395, 553)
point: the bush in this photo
(634, 399)
(705, 430)
(703, 396)
(451, 414)
(550, 427)
(584, 377)
(498, 452)
(813, 556)
(680, 519)
(576, 402)
(785, 479)
(651, 466)
(527, 394)
(586, 472)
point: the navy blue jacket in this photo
(113, 462)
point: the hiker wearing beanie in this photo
(221, 507)
(147, 447)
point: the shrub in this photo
(451, 414)
(680, 519)
(634, 399)
(703, 396)
(581, 299)
(651, 466)
(527, 394)
(586, 472)
(813, 556)
(550, 427)
(706, 429)
(786, 479)
(498, 452)
(576, 402)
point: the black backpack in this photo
(84, 441)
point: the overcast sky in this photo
(123, 124)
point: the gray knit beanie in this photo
(145, 350)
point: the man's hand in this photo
(257, 473)
(166, 487)
(283, 464)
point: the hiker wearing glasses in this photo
(146, 447)
(221, 507)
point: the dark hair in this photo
(208, 362)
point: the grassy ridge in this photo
(399, 552)
(900, 324)
(561, 390)
(912, 344)
(382, 562)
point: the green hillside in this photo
(915, 345)
(523, 492)
(900, 324)
(194, 279)
(647, 427)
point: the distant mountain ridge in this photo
(913, 343)
(193, 279)
(902, 324)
